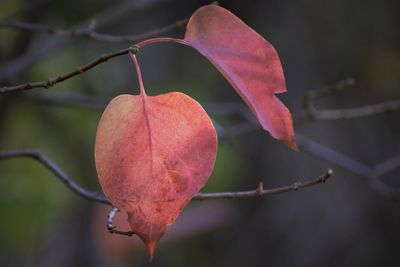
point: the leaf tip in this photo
(292, 144)
(151, 246)
(150, 234)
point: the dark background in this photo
(346, 222)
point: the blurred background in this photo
(349, 221)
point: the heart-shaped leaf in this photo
(247, 61)
(152, 154)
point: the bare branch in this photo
(57, 171)
(109, 15)
(305, 144)
(99, 197)
(260, 191)
(350, 113)
(372, 174)
(89, 32)
(386, 166)
(381, 169)
(337, 87)
(320, 151)
(52, 81)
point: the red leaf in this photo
(153, 153)
(247, 61)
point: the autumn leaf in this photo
(247, 61)
(152, 154)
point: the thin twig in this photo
(372, 173)
(89, 32)
(386, 166)
(260, 191)
(52, 81)
(329, 90)
(307, 145)
(113, 229)
(350, 113)
(320, 151)
(99, 197)
(381, 169)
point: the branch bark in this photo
(99, 197)
(260, 191)
(52, 81)
(57, 171)
(89, 32)
(349, 113)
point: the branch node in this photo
(49, 83)
(296, 186)
(326, 176)
(134, 49)
(260, 188)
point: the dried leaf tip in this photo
(151, 246)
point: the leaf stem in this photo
(78, 71)
(139, 72)
(161, 39)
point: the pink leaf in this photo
(152, 154)
(247, 61)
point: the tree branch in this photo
(260, 191)
(105, 17)
(89, 32)
(350, 113)
(372, 173)
(52, 81)
(57, 171)
(386, 166)
(99, 197)
(320, 151)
